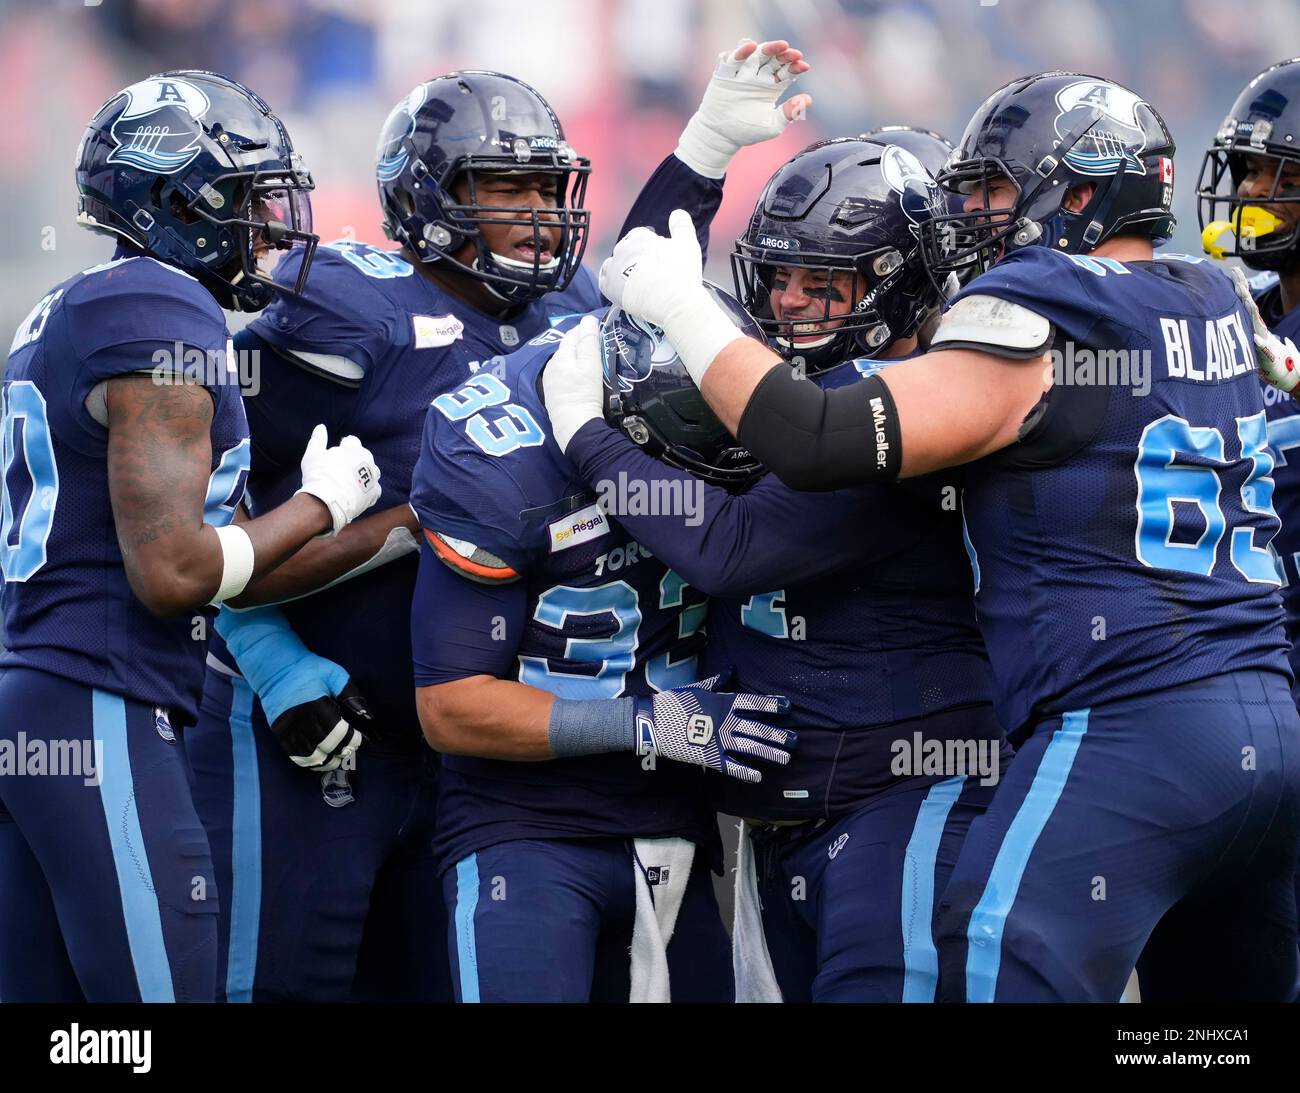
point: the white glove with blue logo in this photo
(697, 725)
(739, 105)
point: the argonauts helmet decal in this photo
(636, 349)
(158, 129)
(1117, 137)
(392, 156)
(917, 190)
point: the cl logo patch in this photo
(699, 729)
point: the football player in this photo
(1250, 190)
(1119, 519)
(873, 637)
(124, 455)
(542, 631)
(331, 873)
(1249, 204)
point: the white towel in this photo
(752, 963)
(662, 867)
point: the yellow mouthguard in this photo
(1251, 223)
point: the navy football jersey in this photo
(69, 609)
(1123, 545)
(890, 639)
(364, 350)
(1283, 439)
(603, 619)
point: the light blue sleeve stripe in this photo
(920, 957)
(117, 794)
(245, 848)
(988, 920)
(466, 946)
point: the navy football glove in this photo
(323, 733)
(698, 725)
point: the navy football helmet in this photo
(651, 397)
(1048, 133)
(845, 204)
(1264, 123)
(463, 125)
(194, 169)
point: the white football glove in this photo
(345, 477)
(1276, 359)
(739, 108)
(571, 382)
(659, 280)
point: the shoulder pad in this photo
(993, 325)
(469, 560)
(142, 300)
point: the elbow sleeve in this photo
(822, 440)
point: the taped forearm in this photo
(592, 727)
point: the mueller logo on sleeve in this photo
(878, 420)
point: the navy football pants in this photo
(106, 890)
(849, 905)
(331, 889)
(550, 920)
(1162, 827)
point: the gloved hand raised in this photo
(344, 477)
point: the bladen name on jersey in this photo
(1229, 351)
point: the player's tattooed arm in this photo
(159, 462)
(363, 545)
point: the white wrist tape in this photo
(699, 330)
(236, 561)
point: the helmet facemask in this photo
(269, 213)
(863, 331)
(1258, 236)
(510, 279)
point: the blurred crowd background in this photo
(624, 75)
